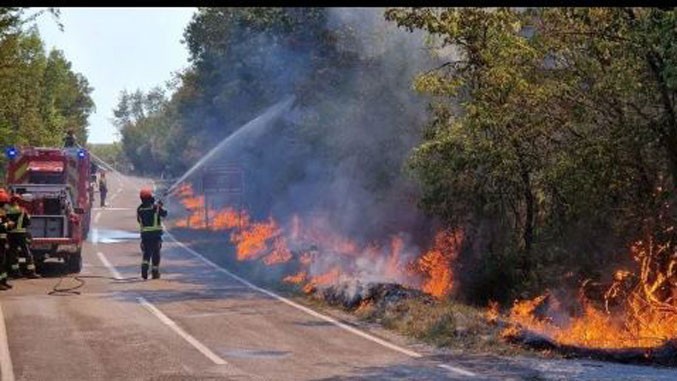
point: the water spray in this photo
(254, 128)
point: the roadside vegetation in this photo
(41, 97)
(537, 147)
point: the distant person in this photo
(103, 188)
(69, 139)
(149, 215)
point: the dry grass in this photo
(444, 324)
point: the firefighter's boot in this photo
(3, 283)
(144, 270)
(156, 273)
(30, 272)
(14, 272)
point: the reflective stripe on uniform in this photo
(156, 221)
(15, 266)
(30, 266)
(3, 276)
(18, 228)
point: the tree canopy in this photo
(41, 97)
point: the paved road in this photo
(200, 322)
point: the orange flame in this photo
(643, 315)
(305, 244)
(436, 263)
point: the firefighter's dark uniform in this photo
(4, 263)
(150, 217)
(69, 141)
(103, 190)
(19, 240)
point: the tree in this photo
(545, 124)
(40, 96)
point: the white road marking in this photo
(163, 318)
(96, 217)
(110, 267)
(5, 359)
(307, 310)
(185, 335)
(460, 371)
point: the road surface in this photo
(201, 322)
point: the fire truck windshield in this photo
(46, 178)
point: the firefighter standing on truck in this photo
(150, 214)
(5, 225)
(18, 238)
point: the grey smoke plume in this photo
(336, 160)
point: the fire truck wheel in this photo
(74, 262)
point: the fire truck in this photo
(56, 187)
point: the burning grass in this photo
(316, 257)
(631, 319)
(391, 283)
(406, 289)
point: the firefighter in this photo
(5, 224)
(150, 214)
(69, 139)
(18, 238)
(103, 188)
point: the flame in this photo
(251, 241)
(436, 263)
(493, 312)
(297, 278)
(639, 310)
(317, 256)
(328, 278)
(280, 253)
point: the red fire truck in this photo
(57, 192)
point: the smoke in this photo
(337, 159)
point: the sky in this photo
(118, 49)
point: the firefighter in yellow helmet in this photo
(149, 215)
(5, 225)
(18, 238)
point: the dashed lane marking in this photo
(185, 335)
(110, 267)
(166, 320)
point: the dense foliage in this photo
(41, 97)
(554, 130)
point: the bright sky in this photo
(117, 49)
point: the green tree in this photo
(551, 125)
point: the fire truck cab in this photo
(55, 186)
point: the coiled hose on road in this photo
(56, 291)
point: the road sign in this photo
(228, 179)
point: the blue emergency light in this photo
(11, 152)
(82, 153)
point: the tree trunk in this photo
(528, 235)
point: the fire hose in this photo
(56, 291)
